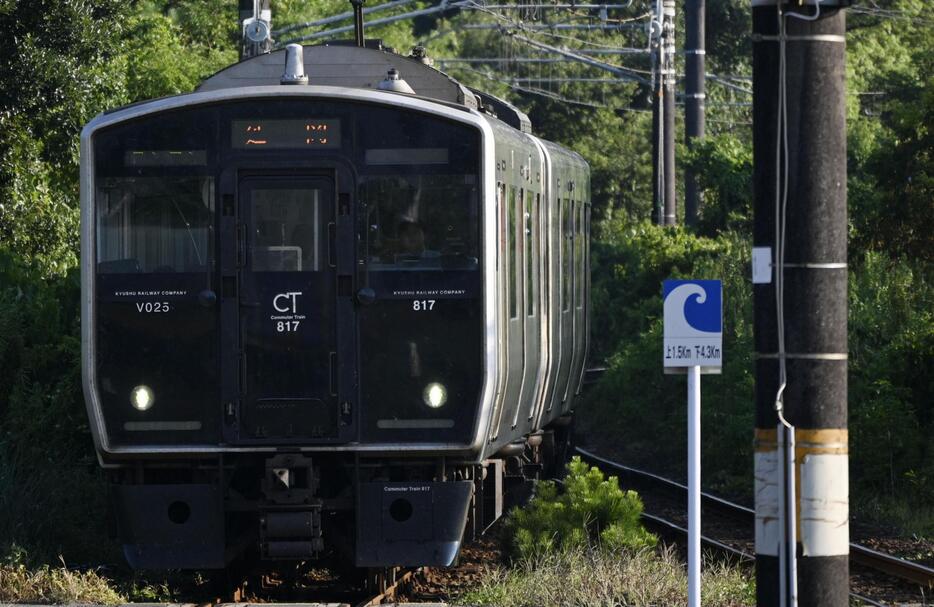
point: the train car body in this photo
(326, 317)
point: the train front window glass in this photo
(154, 224)
(286, 230)
(421, 222)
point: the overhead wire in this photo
(549, 94)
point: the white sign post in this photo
(693, 344)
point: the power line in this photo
(556, 26)
(617, 70)
(548, 94)
(445, 5)
(570, 79)
(340, 17)
(535, 59)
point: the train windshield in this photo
(421, 222)
(154, 224)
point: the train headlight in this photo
(142, 398)
(435, 395)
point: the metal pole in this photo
(255, 18)
(799, 183)
(658, 193)
(694, 484)
(668, 113)
(658, 52)
(695, 14)
(358, 22)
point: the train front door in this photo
(288, 354)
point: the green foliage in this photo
(620, 183)
(592, 510)
(49, 478)
(890, 61)
(891, 367)
(170, 49)
(37, 220)
(723, 165)
(635, 407)
(56, 75)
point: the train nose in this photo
(411, 523)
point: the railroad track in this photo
(401, 578)
(905, 570)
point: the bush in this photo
(52, 499)
(891, 358)
(635, 407)
(591, 511)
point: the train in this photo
(334, 302)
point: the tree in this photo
(58, 72)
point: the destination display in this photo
(165, 158)
(285, 134)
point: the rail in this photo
(389, 593)
(859, 554)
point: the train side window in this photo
(500, 221)
(581, 251)
(531, 246)
(567, 242)
(513, 251)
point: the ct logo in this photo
(286, 302)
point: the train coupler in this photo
(294, 534)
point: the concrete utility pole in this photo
(658, 160)
(668, 119)
(799, 145)
(663, 112)
(694, 96)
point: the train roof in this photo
(347, 66)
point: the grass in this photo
(588, 577)
(906, 518)
(19, 584)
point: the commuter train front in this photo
(323, 318)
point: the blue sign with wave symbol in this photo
(693, 323)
